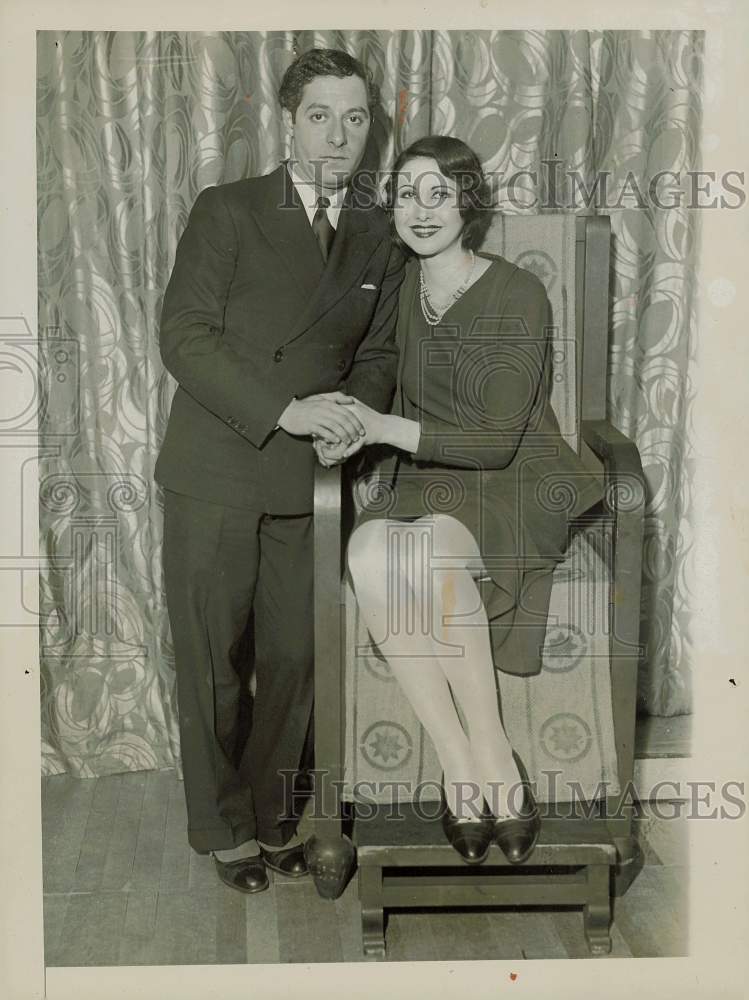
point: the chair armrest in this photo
(329, 852)
(328, 492)
(329, 675)
(621, 461)
(624, 500)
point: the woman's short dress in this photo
(490, 453)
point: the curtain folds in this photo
(132, 125)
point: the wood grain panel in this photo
(67, 803)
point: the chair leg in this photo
(597, 911)
(330, 859)
(329, 853)
(630, 864)
(372, 911)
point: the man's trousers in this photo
(225, 567)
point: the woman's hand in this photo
(375, 424)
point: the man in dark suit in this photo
(281, 307)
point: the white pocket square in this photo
(370, 288)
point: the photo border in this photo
(719, 867)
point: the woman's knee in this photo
(453, 538)
(366, 551)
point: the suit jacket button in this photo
(341, 365)
(278, 356)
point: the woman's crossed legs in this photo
(415, 585)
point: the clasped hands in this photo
(339, 425)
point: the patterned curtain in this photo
(131, 126)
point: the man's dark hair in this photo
(323, 62)
(457, 161)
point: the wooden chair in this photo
(584, 839)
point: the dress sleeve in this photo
(498, 384)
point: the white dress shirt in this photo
(309, 195)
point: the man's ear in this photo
(288, 121)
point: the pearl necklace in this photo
(432, 315)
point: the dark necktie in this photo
(322, 228)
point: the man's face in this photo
(330, 130)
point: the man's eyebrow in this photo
(326, 107)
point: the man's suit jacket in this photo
(252, 318)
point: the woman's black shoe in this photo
(517, 836)
(471, 838)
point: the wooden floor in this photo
(122, 887)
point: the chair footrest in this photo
(412, 842)
(473, 891)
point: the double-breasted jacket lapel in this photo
(283, 221)
(285, 225)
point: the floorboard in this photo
(543, 941)
(149, 850)
(101, 822)
(462, 935)
(650, 928)
(66, 808)
(185, 932)
(137, 945)
(231, 927)
(348, 917)
(664, 828)
(262, 941)
(175, 862)
(123, 838)
(55, 910)
(409, 937)
(92, 929)
(307, 924)
(509, 933)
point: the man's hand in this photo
(326, 415)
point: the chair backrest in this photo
(570, 254)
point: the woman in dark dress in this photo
(453, 553)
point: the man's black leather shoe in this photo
(288, 861)
(246, 875)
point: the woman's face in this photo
(425, 209)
